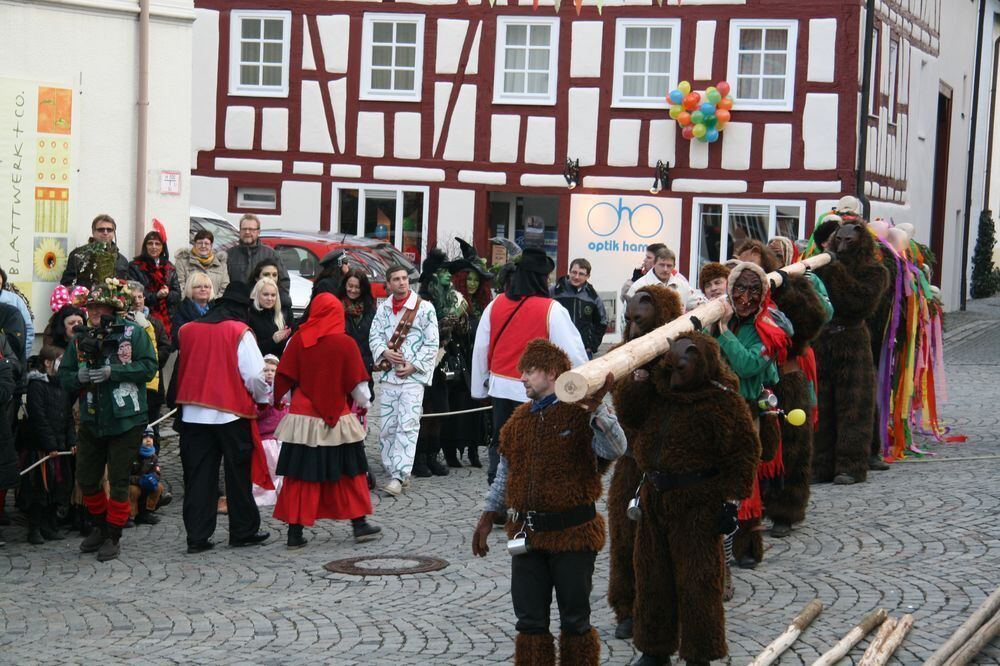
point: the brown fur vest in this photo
(551, 467)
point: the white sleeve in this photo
(480, 354)
(639, 284)
(362, 396)
(251, 364)
(564, 334)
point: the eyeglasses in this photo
(249, 229)
(104, 230)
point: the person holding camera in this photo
(552, 458)
(108, 364)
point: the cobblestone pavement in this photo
(922, 538)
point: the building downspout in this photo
(988, 191)
(866, 86)
(142, 127)
(976, 78)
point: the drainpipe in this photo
(972, 153)
(987, 191)
(866, 86)
(142, 127)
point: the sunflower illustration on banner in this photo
(49, 259)
(701, 115)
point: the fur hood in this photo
(739, 269)
(667, 302)
(543, 355)
(37, 376)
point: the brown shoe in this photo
(223, 507)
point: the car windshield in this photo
(225, 235)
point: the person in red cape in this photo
(322, 455)
(220, 381)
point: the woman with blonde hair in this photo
(266, 318)
(199, 292)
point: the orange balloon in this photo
(684, 119)
(691, 101)
(722, 116)
(725, 103)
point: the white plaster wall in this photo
(371, 134)
(274, 133)
(540, 143)
(583, 106)
(240, 122)
(442, 93)
(456, 215)
(585, 52)
(819, 131)
(204, 80)
(623, 142)
(300, 205)
(308, 60)
(54, 43)
(314, 133)
(736, 140)
(704, 48)
(335, 40)
(406, 136)
(461, 142)
(662, 141)
(450, 38)
(777, 146)
(822, 40)
(211, 193)
(505, 133)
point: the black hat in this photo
(469, 261)
(534, 260)
(435, 261)
(236, 292)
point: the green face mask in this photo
(472, 282)
(443, 277)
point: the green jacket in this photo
(119, 404)
(743, 351)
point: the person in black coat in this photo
(50, 428)
(158, 277)
(8, 385)
(267, 321)
(355, 292)
(269, 268)
(198, 295)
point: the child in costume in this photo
(145, 487)
(268, 418)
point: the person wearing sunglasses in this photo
(102, 230)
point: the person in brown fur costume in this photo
(698, 450)
(650, 308)
(855, 283)
(552, 458)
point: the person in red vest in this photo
(220, 379)
(512, 320)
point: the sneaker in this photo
(406, 483)
(394, 488)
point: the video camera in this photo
(98, 343)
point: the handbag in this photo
(399, 335)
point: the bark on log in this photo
(790, 635)
(868, 659)
(853, 637)
(893, 641)
(986, 610)
(586, 379)
(975, 645)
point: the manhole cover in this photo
(386, 565)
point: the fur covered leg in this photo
(579, 649)
(697, 554)
(534, 650)
(655, 611)
(855, 410)
(621, 580)
(748, 544)
(787, 503)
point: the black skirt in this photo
(322, 463)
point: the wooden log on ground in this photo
(985, 611)
(975, 645)
(868, 659)
(853, 637)
(584, 380)
(893, 641)
(790, 635)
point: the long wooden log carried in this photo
(853, 637)
(985, 611)
(773, 651)
(584, 380)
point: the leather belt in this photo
(663, 481)
(789, 366)
(537, 521)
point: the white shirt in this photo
(690, 298)
(562, 333)
(251, 365)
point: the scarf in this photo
(207, 261)
(353, 308)
(398, 303)
(326, 317)
(158, 272)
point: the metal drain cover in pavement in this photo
(386, 565)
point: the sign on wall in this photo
(612, 232)
(36, 186)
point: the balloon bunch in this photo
(701, 115)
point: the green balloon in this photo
(713, 95)
(697, 117)
(699, 130)
(709, 121)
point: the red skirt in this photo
(305, 502)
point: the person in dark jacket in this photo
(50, 428)
(102, 230)
(355, 293)
(59, 332)
(242, 258)
(266, 318)
(198, 294)
(158, 277)
(329, 279)
(8, 458)
(269, 268)
(585, 306)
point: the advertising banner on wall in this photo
(36, 186)
(612, 232)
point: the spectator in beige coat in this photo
(203, 258)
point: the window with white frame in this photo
(526, 57)
(722, 225)
(392, 54)
(893, 69)
(385, 213)
(257, 198)
(646, 60)
(259, 43)
(762, 63)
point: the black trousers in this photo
(502, 409)
(202, 448)
(532, 579)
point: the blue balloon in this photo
(711, 135)
(708, 109)
(676, 96)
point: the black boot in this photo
(35, 517)
(420, 468)
(110, 549)
(474, 456)
(50, 527)
(877, 463)
(624, 629)
(295, 538)
(651, 660)
(436, 466)
(363, 531)
(146, 518)
(451, 457)
(95, 537)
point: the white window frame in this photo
(724, 249)
(618, 99)
(366, 91)
(788, 102)
(357, 225)
(243, 204)
(547, 99)
(235, 42)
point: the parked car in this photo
(225, 233)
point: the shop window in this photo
(525, 220)
(396, 216)
(258, 56)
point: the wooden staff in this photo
(790, 635)
(584, 380)
(880, 638)
(883, 651)
(853, 637)
(986, 610)
(975, 645)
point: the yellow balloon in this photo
(684, 87)
(676, 110)
(796, 417)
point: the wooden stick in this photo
(853, 637)
(584, 380)
(986, 610)
(893, 641)
(868, 659)
(975, 645)
(40, 461)
(790, 635)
